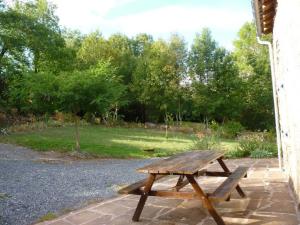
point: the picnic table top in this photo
(186, 163)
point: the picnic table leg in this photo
(225, 168)
(179, 182)
(206, 202)
(143, 197)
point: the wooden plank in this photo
(226, 169)
(180, 183)
(264, 2)
(206, 201)
(268, 16)
(143, 198)
(269, 6)
(174, 194)
(217, 174)
(185, 182)
(187, 163)
(132, 188)
(169, 194)
(225, 189)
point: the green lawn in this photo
(110, 142)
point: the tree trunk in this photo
(179, 113)
(206, 122)
(166, 134)
(3, 51)
(166, 122)
(116, 113)
(77, 136)
(36, 61)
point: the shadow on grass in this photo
(105, 142)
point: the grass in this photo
(110, 142)
(3, 196)
(47, 217)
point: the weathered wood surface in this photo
(134, 188)
(205, 200)
(143, 198)
(187, 163)
(225, 189)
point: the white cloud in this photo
(160, 22)
(85, 15)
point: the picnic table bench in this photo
(188, 166)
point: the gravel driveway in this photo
(31, 187)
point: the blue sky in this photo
(159, 18)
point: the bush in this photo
(254, 148)
(207, 143)
(232, 129)
(228, 130)
(236, 154)
(261, 154)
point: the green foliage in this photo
(158, 74)
(44, 69)
(35, 93)
(96, 90)
(252, 60)
(216, 87)
(232, 129)
(261, 154)
(236, 153)
(254, 148)
(208, 142)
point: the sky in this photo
(159, 18)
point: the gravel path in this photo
(31, 187)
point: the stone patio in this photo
(269, 202)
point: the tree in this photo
(225, 89)
(178, 56)
(42, 35)
(30, 40)
(201, 57)
(215, 81)
(36, 93)
(96, 90)
(253, 63)
(201, 70)
(157, 78)
(92, 50)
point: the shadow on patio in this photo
(269, 202)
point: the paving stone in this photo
(103, 220)
(190, 216)
(111, 209)
(283, 206)
(129, 203)
(60, 222)
(82, 217)
(126, 220)
(274, 219)
(268, 202)
(164, 202)
(150, 212)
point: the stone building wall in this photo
(286, 44)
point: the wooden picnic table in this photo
(188, 166)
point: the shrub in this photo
(247, 146)
(228, 130)
(232, 129)
(261, 154)
(236, 154)
(254, 148)
(207, 143)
